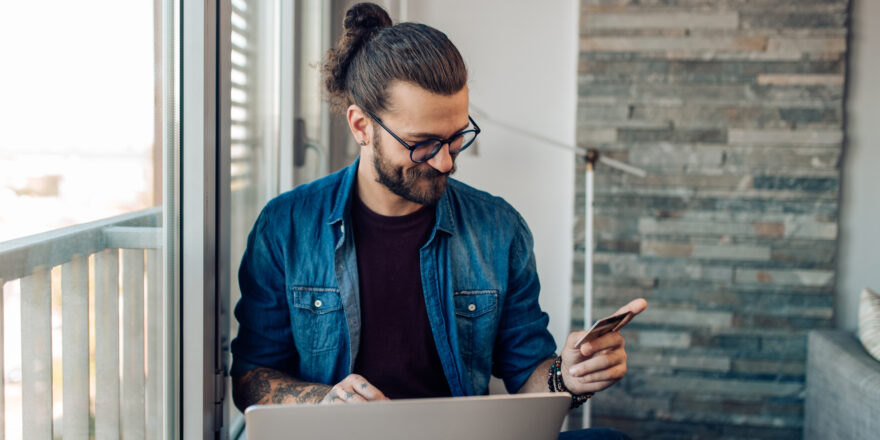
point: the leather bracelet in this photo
(557, 385)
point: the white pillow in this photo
(869, 322)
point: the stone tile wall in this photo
(735, 109)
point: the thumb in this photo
(570, 351)
(635, 306)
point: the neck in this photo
(378, 197)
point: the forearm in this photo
(537, 382)
(266, 385)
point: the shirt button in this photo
(318, 303)
(342, 228)
(472, 307)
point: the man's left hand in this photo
(597, 364)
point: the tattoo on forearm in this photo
(300, 392)
(254, 387)
(266, 385)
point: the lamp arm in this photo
(591, 154)
(624, 167)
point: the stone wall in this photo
(735, 109)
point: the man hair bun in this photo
(372, 53)
(364, 19)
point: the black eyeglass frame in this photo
(441, 142)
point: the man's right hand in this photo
(354, 388)
(266, 386)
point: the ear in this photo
(359, 124)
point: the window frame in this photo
(200, 193)
(198, 379)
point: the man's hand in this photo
(268, 386)
(597, 364)
(354, 388)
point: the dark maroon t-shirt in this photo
(397, 352)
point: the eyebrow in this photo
(436, 136)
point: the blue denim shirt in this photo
(299, 310)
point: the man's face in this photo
(415, 115)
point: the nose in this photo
(442, 161)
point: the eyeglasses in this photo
(423, 151)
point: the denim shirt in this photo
(299, 308)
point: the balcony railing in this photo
(116, 265)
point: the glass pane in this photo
(310, 106)
(254, 109)
(266, 39)
(86, 167)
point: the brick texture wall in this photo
(735, 109)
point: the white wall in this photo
(859, 251)
(522, 60)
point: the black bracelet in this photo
(557, 385)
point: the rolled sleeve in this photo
(523, 340)
(264, 336)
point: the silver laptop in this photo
(496, 417)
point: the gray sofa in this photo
(843, 388)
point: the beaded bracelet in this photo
(556, 384)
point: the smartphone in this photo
(603, 326)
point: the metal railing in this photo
(116, 267)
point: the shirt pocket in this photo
(476, 319)
(475, 303)
(317, 318)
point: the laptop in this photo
(535, 416)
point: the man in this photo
(387, 279)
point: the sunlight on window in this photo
(79, 108)
(76, 114)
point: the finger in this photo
(612, 374)
(574, 337)
(593, 387)
(364, 388)
(607, 341)
(572, 352)
(610, 367)
(334, 396)
(370, 392)
(602, 361)
(635, 306)
(609, 375)
(352, 397)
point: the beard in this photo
(420, 184)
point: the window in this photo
(87, 218)
(134, 161)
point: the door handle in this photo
(300, 143)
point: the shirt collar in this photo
(445, 212)
(342, 203)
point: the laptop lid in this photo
(497, 417)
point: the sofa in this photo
(843, 388)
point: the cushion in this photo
(869, 322)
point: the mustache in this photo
(428, 172)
